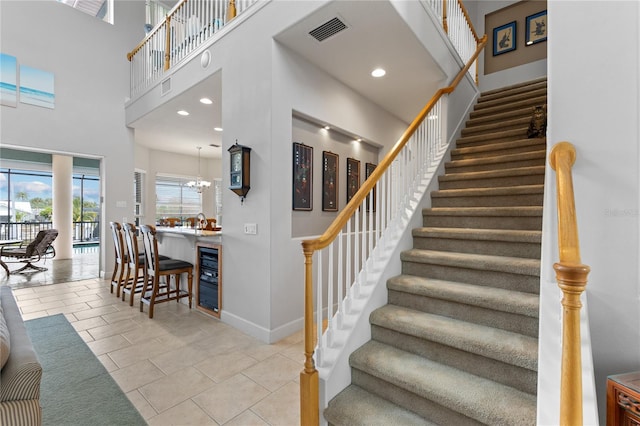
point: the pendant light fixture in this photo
(199, 184)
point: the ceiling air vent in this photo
(328, 29)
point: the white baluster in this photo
(319, 285)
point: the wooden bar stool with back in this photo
(153, 292)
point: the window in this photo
(25, 197)
(86, 207)
(101, 9)
(138, 188)
(175, 199)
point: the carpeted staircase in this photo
(457, 343)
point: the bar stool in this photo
(117, 278)
(152, 292)
(134, 281)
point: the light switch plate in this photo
(251, 228)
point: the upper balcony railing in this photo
(187, 26)
(192, 22)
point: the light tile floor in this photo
(182, 367)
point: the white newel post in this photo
(63, 205)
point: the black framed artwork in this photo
(329, 181)
(536, 28)
(302, 176)
(353, 177)
(368, 170)
(504, 38)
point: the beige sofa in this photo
(21, 370)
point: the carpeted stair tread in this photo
(500, 345)
(510, 98)
(503, 300)
(533, 175)
(525, 103)
(512, 265)
(510, 235)
(520, 171)
(498, 148)
(355, 406)
(511, 134)
(520, 89)
(476, 119)
(495, 242)
(510, 158)
(518, 122)
(511, 217)
(489, 192)
(484, 211)
(483, 400)
(524, 86)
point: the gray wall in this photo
(313, 223)
(91, 84)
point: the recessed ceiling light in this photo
(217, 129)
(378, 72)
(358, 139)
(326, 127)
(183, 112)
(206, 101)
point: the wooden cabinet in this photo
(623, 399)
(209, 278)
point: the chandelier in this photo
(199, 184)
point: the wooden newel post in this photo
(231, 10)
(572, 280)
(445, 26)
(309, 405)
(167, 48)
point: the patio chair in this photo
(40, 248)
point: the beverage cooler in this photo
(208, 278)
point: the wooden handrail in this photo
(330, 234)
(572, 280)
(309, 393)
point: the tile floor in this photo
(182, 367)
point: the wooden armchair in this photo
(40, 248)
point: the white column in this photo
(63, 205)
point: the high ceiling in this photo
(375, 36)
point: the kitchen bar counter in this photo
(180, 243)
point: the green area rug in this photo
(76, 389)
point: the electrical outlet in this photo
(251, 228)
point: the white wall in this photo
(91, 84)
(594, 102)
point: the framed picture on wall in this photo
(329, 181)
(302, 177)
(536, 28)
(504, 38)
(368, 169)
(353, 177)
